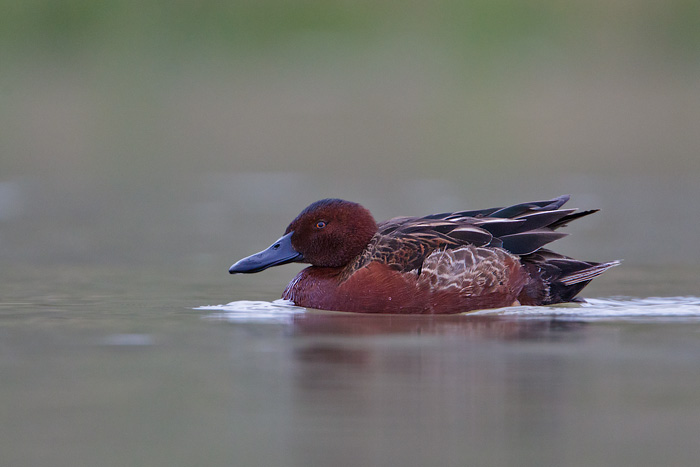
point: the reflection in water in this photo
(517, 386)
(492, 327)
(266, 383)
(408, 390)
(412, 387)
(127, 340)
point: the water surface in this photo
(139, 366)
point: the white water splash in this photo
(279, 311)
(594, 309)
(613, 308)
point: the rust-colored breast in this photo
(448, 281)
(375, 288)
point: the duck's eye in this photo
(320, 224)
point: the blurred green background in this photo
(179, 131)
(422, 87)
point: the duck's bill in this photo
(280, 252)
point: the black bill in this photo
(280, 252)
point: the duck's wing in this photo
(404, 242)
(508, 212)
(522, 228)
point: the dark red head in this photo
(331, 232)
(328, 233)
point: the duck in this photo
(446, 263)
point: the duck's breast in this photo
(449, 281)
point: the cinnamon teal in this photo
(451, 262)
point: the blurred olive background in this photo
(190, 133)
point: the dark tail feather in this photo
(533, 206)
(586, 275)
(564, 221)
(558, 278)
(566, 287)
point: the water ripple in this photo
(612, 308)
(254, 311)
(656, 308)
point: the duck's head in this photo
(328, 233)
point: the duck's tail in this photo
(585, 275)
(556, 278)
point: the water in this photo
(124, 341)
(594, 309)
(138, 365)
